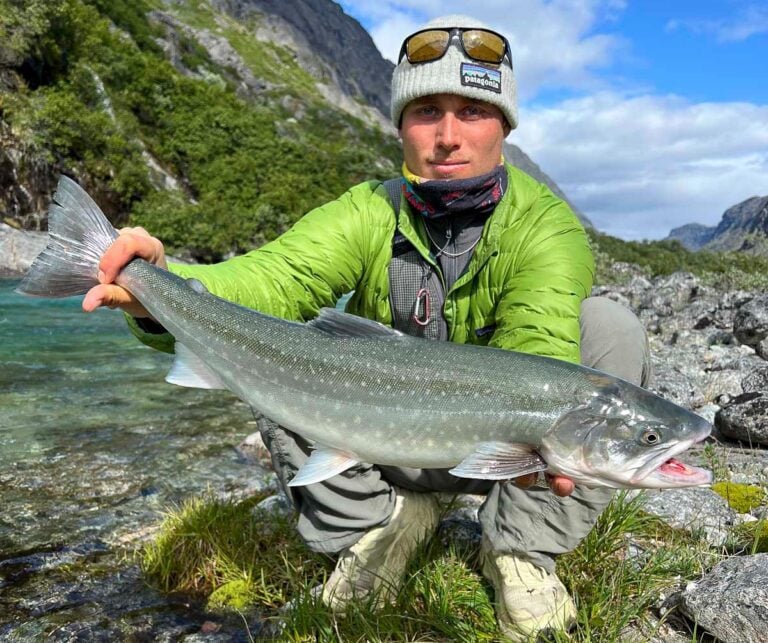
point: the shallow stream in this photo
(94, 447)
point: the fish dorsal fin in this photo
(340, 324)
(499, 461)
(197, 285)
(190, 371)
(323, 463)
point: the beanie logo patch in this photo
(482, 77)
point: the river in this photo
(94, 447)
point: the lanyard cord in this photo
(448, 236)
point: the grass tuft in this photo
(625, 565)
(208, 544)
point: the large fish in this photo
(366, 393)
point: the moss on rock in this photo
(236, 594)
(742, 498)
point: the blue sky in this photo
(648, 114)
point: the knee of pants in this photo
(613, 340)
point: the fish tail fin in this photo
(78, 235)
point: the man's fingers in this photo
(112, 297)
(527, 480)
(561, 486)
(132, 242)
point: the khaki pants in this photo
(535, 522)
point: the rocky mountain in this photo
(692, 235)
(328, 43)
(743, 227)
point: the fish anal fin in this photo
(499, 461)
(190, 371)
(323, 463)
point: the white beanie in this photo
(455, 73)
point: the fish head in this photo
(626, 437)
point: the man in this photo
(461, 248)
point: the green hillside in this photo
(87, 87)
(725, 270)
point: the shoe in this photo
(376, 563)
(529, 601)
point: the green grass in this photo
(243, 560)
(231, 552)
(615, 586)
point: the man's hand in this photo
(560, 485)
(132, 242)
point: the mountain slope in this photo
(744, 227)
(216, 144)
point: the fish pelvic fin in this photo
(190, 371)
(499, 461)
(78, 235)
(323, 463)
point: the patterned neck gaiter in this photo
(434, 198)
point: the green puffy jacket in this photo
(525, 281)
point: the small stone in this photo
(209, 627)
(756, 380)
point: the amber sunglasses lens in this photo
(483, 45)
(427, 45)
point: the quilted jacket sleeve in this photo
(310, 266)
(553, 270)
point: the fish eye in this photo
(650, 437)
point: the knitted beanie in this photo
(455, 73)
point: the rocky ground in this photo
(709, 353)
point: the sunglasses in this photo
(482, 45)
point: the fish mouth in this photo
(667, 471)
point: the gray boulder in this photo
(670, 294)
(731, 602)
(696, 510)
(18, 249)
(762, 349)
(750, 324)
(756, 381)
(745, 418)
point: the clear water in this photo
(94, 444)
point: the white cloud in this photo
(639, 166)
(751, 21)
(554, 43)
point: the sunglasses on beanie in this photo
(482, 45)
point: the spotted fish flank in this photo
(366, 393)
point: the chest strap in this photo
(416, 294)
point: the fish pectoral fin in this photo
(341, 324)
(499, 461)
(190, 371)
(323, 463)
